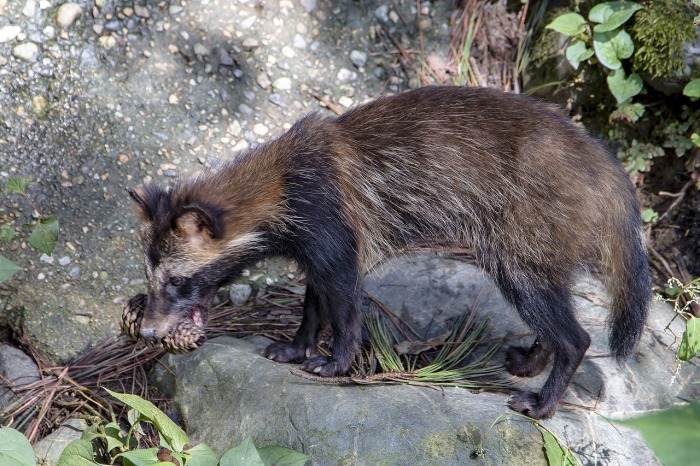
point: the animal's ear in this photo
(199, 223)
(147, 199)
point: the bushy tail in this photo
(629, 283)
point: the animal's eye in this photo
(177, 281)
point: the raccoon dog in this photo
(507, 175)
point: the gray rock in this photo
(16, 368)
(224, 58)
(30, 8)
(67, 14)
(201, 49)
(358, 58)
(65, 260)
(142, 11)
(48, 450)
(382, 13)
(346, 75)
(239, 294)
(381, 424)
(299, 42)
(282, 84)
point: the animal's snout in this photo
(148, 333)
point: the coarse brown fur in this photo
(510, 176)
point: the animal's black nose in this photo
(148, 333)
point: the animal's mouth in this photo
(199, 315)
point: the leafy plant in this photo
(682, 297)
(15, 449)
(105, 443)
(44, 234)
(603, 36)
(672, 434)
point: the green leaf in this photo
(7, 268)
(611, 47)
(17, 185)
(45, 235)
(692, 89)
(144, 457)
(624, 88)
(672, 434)
(115, 437)
(78, 453)
(612, 15)
(649, 215)
(7, 232)
(15, 449)
(570, 24)
(202, 455)
(577, 52)
(243, 454)
(282, 456)
(174, 435)
(690, 343)
(557, 454)
(628, 112)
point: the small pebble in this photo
(142, 11)
(46, 258)
(67, 14)
(201, 49)
(263, 81)
(65, 260)
(173, 99)
(345, 101)
(309, 5)
(239, 294)
(74, 272)
(345, 75)
(250, 44)
(358, 58)
(26, 51)
(8, 33)
(299, 42)
(282, 84)
(260, 129)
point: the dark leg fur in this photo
(340, 302)
(304, 343)
(525, 362)
(549, 313)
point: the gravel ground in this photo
(97, 96)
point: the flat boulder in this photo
(226, 390)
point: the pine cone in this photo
(184, 338)
(132, 315)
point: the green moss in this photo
(659, 32)
(440, 445)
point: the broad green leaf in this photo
(7, 232)
(692, 89)
(570, 24)
(557, 454)
(7, 268)
(202, 455)
(78, 453)
(17, 185)
(690, 343)
(282, 456)
(45, 235)
(624, 88)
(144, 457)
(672, 434)
(115, 437)
(612, 15)
(243, 454)
(15, 449)
(174, 435)
(577, 52)
(611, 47)
(91, 432)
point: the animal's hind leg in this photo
(304, 343)
(525, 362)
(547, 309)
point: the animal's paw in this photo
(530, 404)
(325, 366)
(286, 352)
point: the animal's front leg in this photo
(304, 343)
(340, 302)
